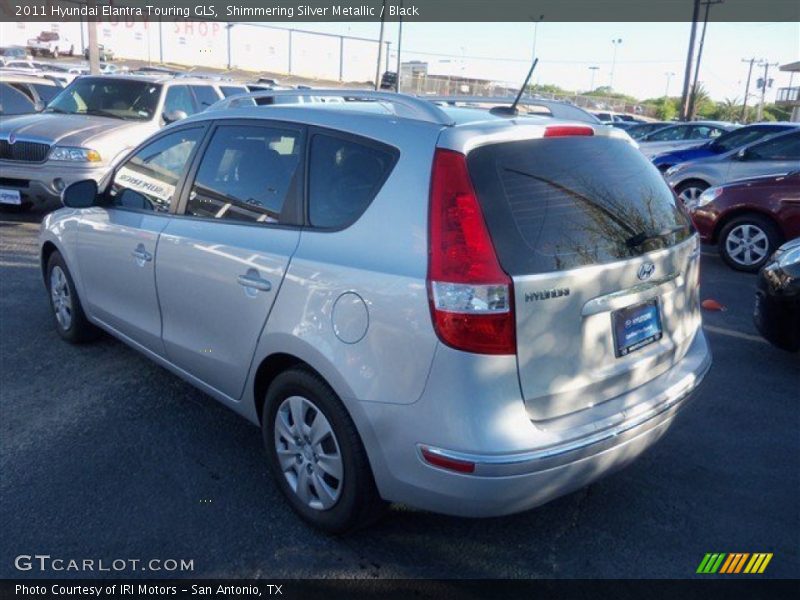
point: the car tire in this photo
(690, 190)
(339, 493)
(746, 242)
(71, 322)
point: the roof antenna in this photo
(511, 111)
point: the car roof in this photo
(12, 77)
(160, 79)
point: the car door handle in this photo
(142, 255)
(254, 282)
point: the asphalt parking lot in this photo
(105, 455)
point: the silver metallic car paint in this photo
(211, 321)
(118, 277)
(401, 386)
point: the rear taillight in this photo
(471, 296)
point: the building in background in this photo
(247, 46)
(789, 97)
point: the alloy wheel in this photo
(308, 453)
(690, 194)
(747, 244)
(60, 297)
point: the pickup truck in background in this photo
(50, 43)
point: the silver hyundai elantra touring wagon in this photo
(462, 312)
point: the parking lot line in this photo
(736, 334)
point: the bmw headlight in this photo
(708, 196)
(72, 154)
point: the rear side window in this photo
(14, 102)
(344, 177)
(246, 174)
(561, 203)
(205, 94)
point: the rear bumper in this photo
(551, 459)
(36, 182)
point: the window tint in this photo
(246, 174)
(179, 98)
(344, 178)
(14, 102)
(786, 147)
(205, 94)
(668, 135)
(148, 179)
(566, 202)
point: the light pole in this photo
(591, 81)
(616, 42)
(535, 33)
(669, 75)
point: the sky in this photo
(647, 54)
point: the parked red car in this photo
(749, 219)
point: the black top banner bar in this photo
(393, 10)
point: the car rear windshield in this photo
(561, 203)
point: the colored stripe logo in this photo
(734, 563)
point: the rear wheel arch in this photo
(727, 217)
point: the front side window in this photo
(740, 137)
(148, 179)
(246, 174)
(344, 177)
(179, 98)
(704, 132)
(205, 94)
(786, 147)
(107, 97)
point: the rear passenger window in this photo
(246, 174)
(205, 94)
(344, 178)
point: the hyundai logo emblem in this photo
(12, 138)
(646, 271)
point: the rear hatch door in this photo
(604, 264)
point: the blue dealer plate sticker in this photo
(635, 327)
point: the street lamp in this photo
(616, 42)
(591, 83)
(669, 75)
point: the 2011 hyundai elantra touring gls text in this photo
(459, 311)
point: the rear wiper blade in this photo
(646, 236)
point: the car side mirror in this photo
(174, 115)
(741, 154)
(81, 194)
